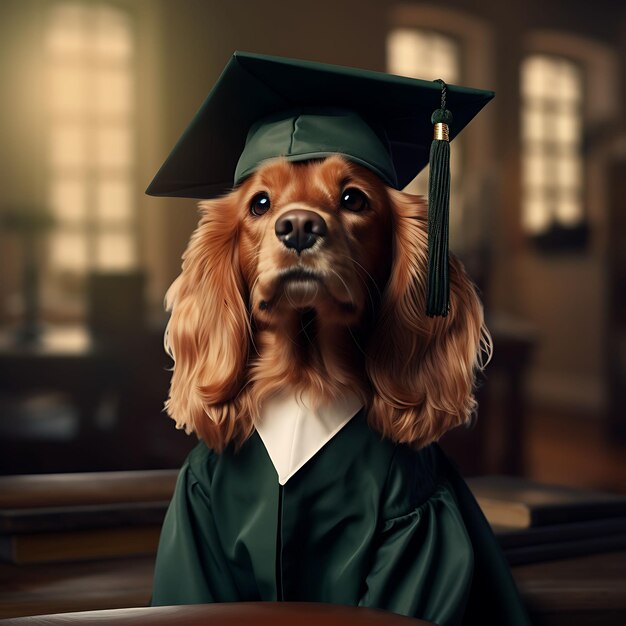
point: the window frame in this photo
(93, 175)
(558, 233)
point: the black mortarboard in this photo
(263, 107)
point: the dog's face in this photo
(321, 240)
(314, 236)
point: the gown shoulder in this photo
(200, 463)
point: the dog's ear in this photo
(208, 334)
(422, 369)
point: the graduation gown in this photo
(365, 522)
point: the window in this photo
(90, 149)
(429, 55)
(553, 176)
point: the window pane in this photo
(569, 211)
(446, 69)
(552, 130)
(550, 125)
(113, 146)
(68, 251)
(112, 93)
(535, 170)
(423, 54)
(114, 251)
(403, 47)
(444, 58)
(68, 145)
(113, 202)
(67, 34)
(536, 215)
(112, 34)
(90, 107)
(533, 121)
(569, 82)
(567, 127)
(68, 200)
(536, 76)
(568, 172)
(67, 93)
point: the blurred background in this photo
(96, 93)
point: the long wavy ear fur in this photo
(422, 369)
(208, 334)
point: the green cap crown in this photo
(315, 133)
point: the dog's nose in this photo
(300, 228)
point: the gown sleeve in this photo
(423, 563)
(190, 565)
(494, 598)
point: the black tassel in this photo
(438, 289)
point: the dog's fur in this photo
(242, 328)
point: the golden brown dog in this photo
(313, 275)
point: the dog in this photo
(341, 308)
(309, 278)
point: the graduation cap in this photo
(263, 107)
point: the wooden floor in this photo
(574, 450)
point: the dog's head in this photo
(327, 243)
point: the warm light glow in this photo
(535, 215)
(68, 146)
(114, 251)
(112, 92)
(428, 55)
(552, 163)
(66, 34)
(535, 77)
(68, 199)
(568, 172)
(567, 127)
(568, 211)
(67, 92)
(112, 34)
(533, 125)
(422, 54)
(113, 202)
(91, 134)
(568, 82)
(112, 147)
(68, 251)
(535, 170)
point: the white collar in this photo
(293, 433)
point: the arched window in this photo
(552, 119)
(90, 52)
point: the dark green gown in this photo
(365, 522)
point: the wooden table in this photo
(230, 614)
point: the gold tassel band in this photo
(441, 132)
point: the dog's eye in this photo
(353, 199)
(260, 204)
